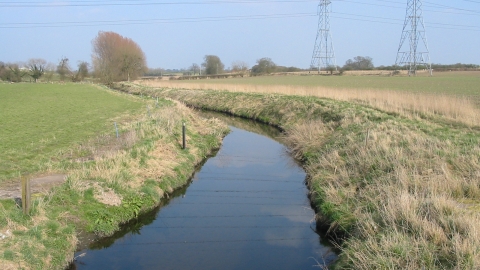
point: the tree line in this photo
(212, 65)
(37, 68)
(114, 58)
(118, 58)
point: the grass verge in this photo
(400, 192)
(39, 119)
(110, 181)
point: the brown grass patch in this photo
(106, 196)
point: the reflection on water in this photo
(247, 208)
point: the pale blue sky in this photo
(176, 33)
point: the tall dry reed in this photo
(455, 108)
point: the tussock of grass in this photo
(110, 181)
(398, 188)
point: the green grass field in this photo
(458, 83)
(38, 120)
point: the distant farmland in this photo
(456, 83)
(453, 95)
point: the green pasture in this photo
(38, 120)
(457, 83)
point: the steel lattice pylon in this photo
(323, 53)
(414, 31)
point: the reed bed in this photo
(455, 108)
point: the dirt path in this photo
(38, 185)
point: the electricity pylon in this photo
(416, 52)
(323, 53)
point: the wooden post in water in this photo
(26, 195)
(184, 135)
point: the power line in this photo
(472, 1)
(398, 20)
(19, 25)
(398, 7)
(151, 21)
(450, 7)
(29, 4)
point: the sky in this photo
(174, 34)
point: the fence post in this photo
(116, 129)
(184, 139)
(26, 195)
(367, 137)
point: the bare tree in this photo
(133, 62)
(195, 68)
(83, 69)
(36, 68)
(49, 71)
(331, 69)
(3, 71)
(63, 68)
(13, 73)
(240, 67)
(81, 73)
(117, 58)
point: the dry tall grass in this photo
(409, 195)
(406, 193)
(164, 123)
(455, 108)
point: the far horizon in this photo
(179, 34)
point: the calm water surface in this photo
(246, 208)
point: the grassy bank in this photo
(110, 181)
(404, 191)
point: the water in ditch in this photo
(246, 208)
